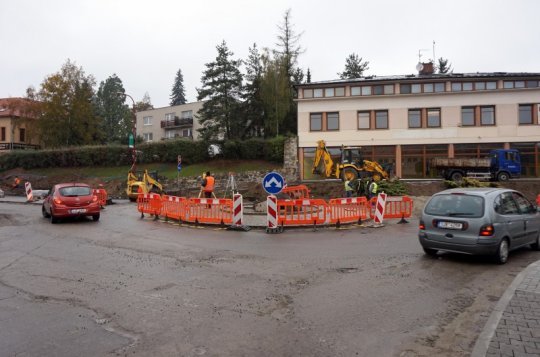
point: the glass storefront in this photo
(529, 158)
(415, 160)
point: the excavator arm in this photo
(375, 168)
(322, 157)
(150, 182)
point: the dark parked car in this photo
(490, 221)
(70, 200)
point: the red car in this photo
(70, 200)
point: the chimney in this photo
(425, 68)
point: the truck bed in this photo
(442, 162)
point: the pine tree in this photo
(222, 90)
(308, 76)
(178, 95)
(253, 106)
(444, 65)
(354, 67)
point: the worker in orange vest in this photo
(16, 182)
(207, 185)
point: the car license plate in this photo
(79, 210)
(450, 225)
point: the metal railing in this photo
(176, 122)
(17, 146)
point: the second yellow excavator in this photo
(350, 167)
(147, 184)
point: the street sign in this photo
(273, 183)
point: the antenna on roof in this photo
(420, 54)
(434, 58)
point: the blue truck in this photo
(499, 165)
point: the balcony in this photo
(177, 123)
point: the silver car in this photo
(489, 221)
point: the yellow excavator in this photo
(351, 165)
(147, 184)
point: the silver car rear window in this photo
(74, 191)
(456, 205)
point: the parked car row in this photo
(487, 221)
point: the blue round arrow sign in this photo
(273, 183)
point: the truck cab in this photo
(505, 164)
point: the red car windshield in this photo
(74, 191)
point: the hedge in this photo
(162, 151)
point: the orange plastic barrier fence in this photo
(538, 200)
(173, 207)
(302, 212)
(296, 192)
(396, 207)
(348, 210)
(101, 195)
(209, 210)
(149, 203)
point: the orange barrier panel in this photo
(101, 195)
(149, 203)
(173, 207)
(538, 200)
(302, 212)
(209, 210)
(296, 192)
(348, 210)
(396, 207)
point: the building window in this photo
(467, 86)
(487, 115)
(308, 93)
(169, 116)
(3, 133)
(366, 90)
(187, 114)
(381, 119)
(456, 86)
(355, 90)
(148, 136)
(389, 89)
(415, 118)
(378, 90)
(22, 136)
(416, 88)
(491, 85)
(525, 114)
(340, 91)
(329, 92)
(405, 88)
(315, 122)
(434, 118)
(508, 84)
(147, 121)
(186, 133)
(467, 116)
(532, 84)
(439, 87)
(170, 134)
(317, 93)
(364, 120)
(332, 121)
(428, 88)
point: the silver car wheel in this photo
(502, 254)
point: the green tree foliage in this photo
(444, 66)
(308, 76)
(144, 104)
(276, 95)
(354, 67)
(253, 106)
(222, 90)
(287, 56)
(178, 95)
(116, 116)
(68, 116)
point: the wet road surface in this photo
(135, 287)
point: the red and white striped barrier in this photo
(271, 215)
(29, 194)
(238, 210)
(379, 208)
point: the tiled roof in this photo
(12, 107)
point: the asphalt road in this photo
(126, 286)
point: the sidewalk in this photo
(513, 328)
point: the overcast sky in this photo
(146, 42)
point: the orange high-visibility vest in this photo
(209, 184)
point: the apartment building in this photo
(16, 125)
(177, 121)
(406, 120)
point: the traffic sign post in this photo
(273, 183)
(179, 167)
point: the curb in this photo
(482, 343)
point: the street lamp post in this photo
(133, 133)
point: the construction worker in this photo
(16, 182)
(348, 188)
(372, 188)
(207, 185)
